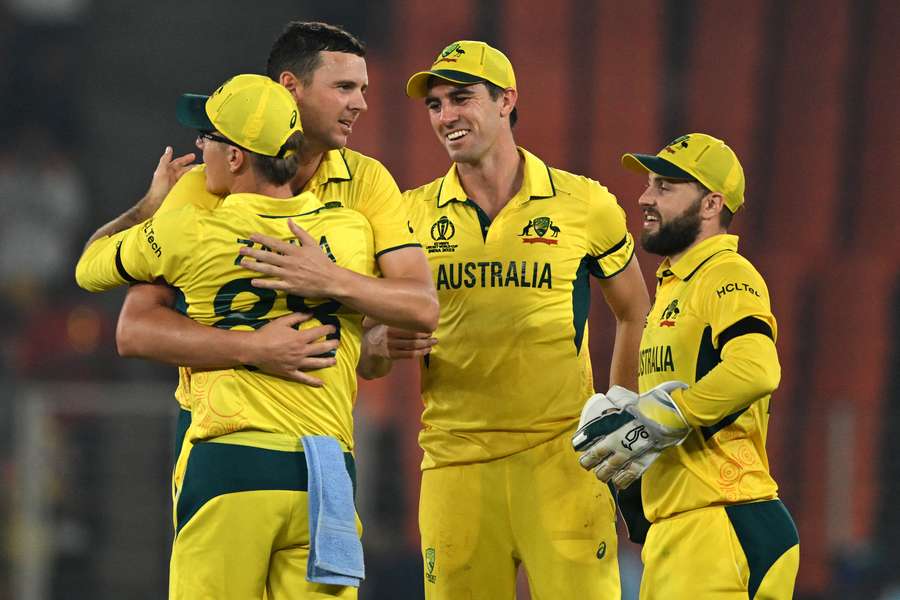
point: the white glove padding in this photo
(632, 470)
(620, 434)
(602, 414)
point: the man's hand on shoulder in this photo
(168, 171)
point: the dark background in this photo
(804, 91)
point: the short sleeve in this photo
(358, 256)
(383, 207)
(609, 244)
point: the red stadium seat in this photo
(845, 387)
(417, 155)
(803, 152)
(789, 279)
(873, 206)
(626, 100)
(537, 39)
(730, 111)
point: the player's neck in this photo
(496, 178)
(704, 235)
(250, 184)
(311, 155)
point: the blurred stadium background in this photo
(806, 91)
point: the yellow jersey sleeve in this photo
(158, 247)
(362, 258)
(735, 299)
(383, 206)
(609, 243)
(190, 190)
(749, 371)
(97, 270)
(731, 292)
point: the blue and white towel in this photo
(335, 551)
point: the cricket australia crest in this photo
(429, 565)
(536, 230)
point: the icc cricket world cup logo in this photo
(443, 229)
(441, 232)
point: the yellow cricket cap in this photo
(465, 62)
(700, 157)
(252, 111)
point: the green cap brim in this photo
(654, 164)
(417, 86)
(191, 112)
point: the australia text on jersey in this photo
(452, 276)
(656, 359)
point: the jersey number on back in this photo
(255, 315)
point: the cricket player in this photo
(241, 514)
(697, 427)
(512, 244)
(324, 69)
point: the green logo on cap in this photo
(293, 118)
(679, 141)
(454, 49)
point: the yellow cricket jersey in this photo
(511, 369)
(712, 327)
(344, 176)
(196, 251)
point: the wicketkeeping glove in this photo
(621, 433)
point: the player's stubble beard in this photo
(675, 235)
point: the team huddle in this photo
(287, 265)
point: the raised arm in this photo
(100, 266)
(167, 173)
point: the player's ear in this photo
(236, 159)
(292, 84)
(508, 100)
(711, 205)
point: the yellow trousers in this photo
(538, 508)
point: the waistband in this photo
(264, 439)
(215, 469)
(703, 509)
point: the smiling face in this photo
(332, 99)
(672, 219)
(465, 118)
